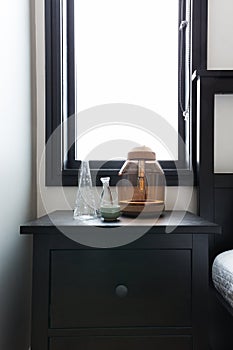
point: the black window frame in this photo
(60, 172)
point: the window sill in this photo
(69, 177)
(176, 173)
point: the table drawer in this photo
(122, 343)
(120, 288)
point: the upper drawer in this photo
(120, 288)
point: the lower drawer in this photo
(122, 343)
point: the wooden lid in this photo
(141, 152)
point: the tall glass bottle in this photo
(85, 204)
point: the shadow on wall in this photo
(15, 287)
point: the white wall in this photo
(223, 125)
(220, 33)
(16, 185)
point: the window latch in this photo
(186, 115)
(183, 25)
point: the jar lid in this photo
(141, 152)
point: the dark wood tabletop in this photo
(169, 222)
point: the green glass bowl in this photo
(110, 213)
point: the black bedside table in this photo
(146, 295)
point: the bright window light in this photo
(127, 52)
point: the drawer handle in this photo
(121, 291)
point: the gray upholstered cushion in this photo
(222, 275)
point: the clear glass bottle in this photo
(106, 195)
(85, 204)
(109, 207)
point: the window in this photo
(80, 75)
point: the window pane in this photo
(127, 52)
